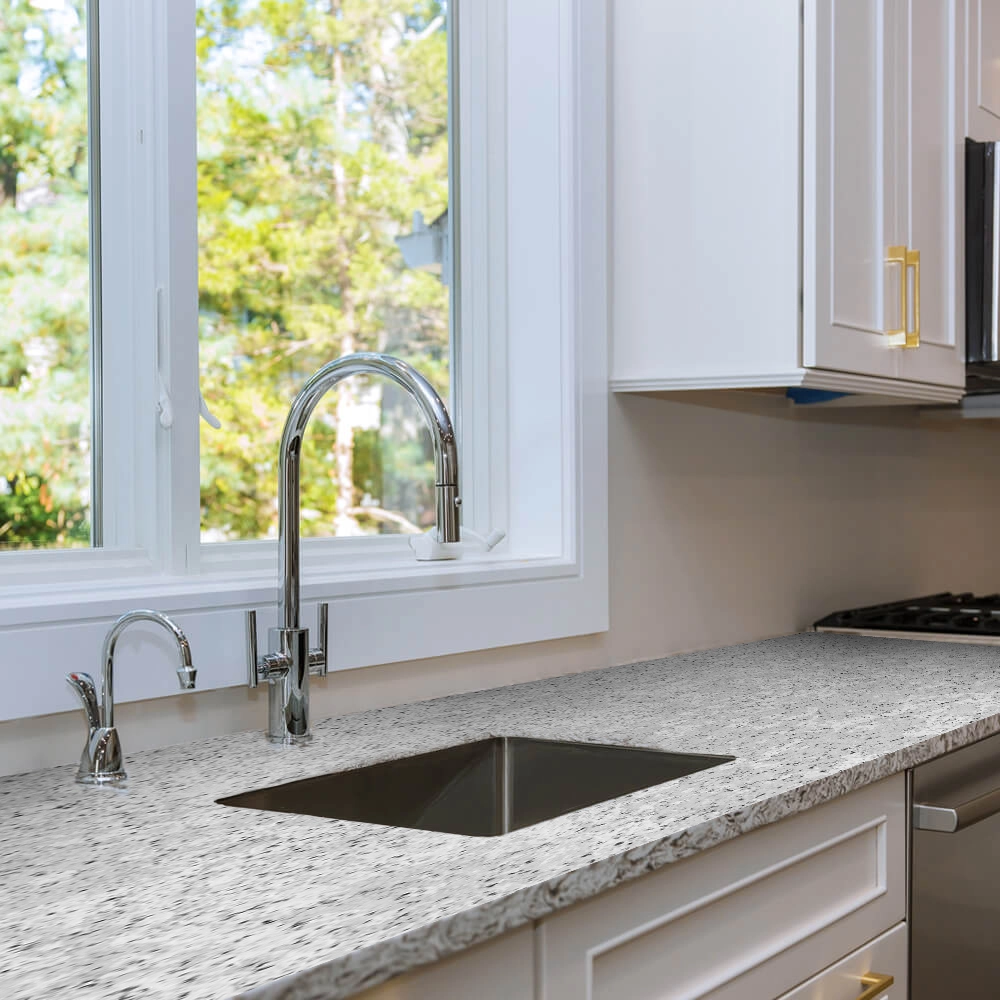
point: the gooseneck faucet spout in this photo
(290, 659)
(186, 673)
(290, 454)
(101, 760)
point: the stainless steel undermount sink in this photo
(481, 789)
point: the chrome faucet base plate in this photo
(288, 740)
(115, 779)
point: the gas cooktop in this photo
(947, 617)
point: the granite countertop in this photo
(157, 892)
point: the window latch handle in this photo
(166, 407)
(206, 414)
(163, 401)
(163, 404)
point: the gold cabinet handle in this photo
(913, 260)
(897, 255)
(876, 983)
(904, 336)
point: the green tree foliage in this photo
(44, 299)
(323, 126)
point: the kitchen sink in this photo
(481, 789)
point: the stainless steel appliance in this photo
(982, 267)
(954, 905)
(946, 617)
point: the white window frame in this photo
(532, 117)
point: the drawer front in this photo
(885, 956)
(750, 918)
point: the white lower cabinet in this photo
(755, 918)
(865, 969)
(502, 969)
(750, 918)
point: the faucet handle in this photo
(252, 667)
(83, 685)
(318, 663)
(266, 667)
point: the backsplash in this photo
(726, 527)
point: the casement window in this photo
(45, 280)
(203, 202)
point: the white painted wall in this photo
(726, 527)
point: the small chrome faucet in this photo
(101, 760)
(290, 660)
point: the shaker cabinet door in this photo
(853, 149)
(982, 71)
(931, 191)
(883, 260)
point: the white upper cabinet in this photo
(787, 195)
(983, 76)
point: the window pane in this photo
(44, 276)
(322, 133)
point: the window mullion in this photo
(149, 282)
(176, 282)
(127, 439)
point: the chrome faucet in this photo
(101, 760)
(290, 660)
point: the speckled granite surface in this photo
(157, 892)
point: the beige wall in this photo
(727, 526)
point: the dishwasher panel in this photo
(955, 876)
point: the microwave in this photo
(982, 267)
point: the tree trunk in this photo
(345, 523)
(8, 179)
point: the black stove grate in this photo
(945, 613)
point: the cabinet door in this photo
(749, 918)
(885, 956)
(853, 150)
(982, 74)
(931, 189)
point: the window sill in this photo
(76, 600)
(376, 616)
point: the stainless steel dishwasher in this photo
(955, 875)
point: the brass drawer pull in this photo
(876, 983)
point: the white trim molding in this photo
(810, 378)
